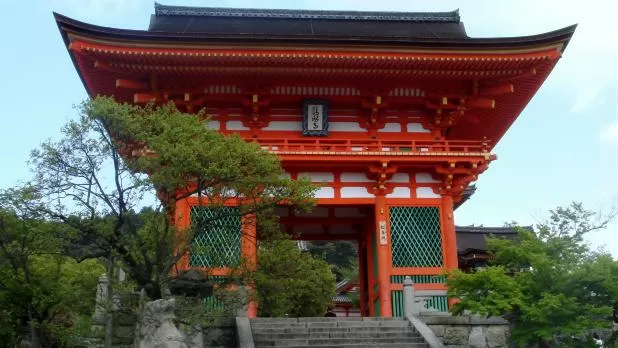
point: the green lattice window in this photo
(415, 237)
(217, 239)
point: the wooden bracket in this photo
(375, 108)
(256, 107)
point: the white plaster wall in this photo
(355, 177)
(355, 192)
(235, 125)
(399, 192)
(284, 126)
(345, 127)
(400, 177)
(423, 178)
(426, 192)
(390, 128)
(213, 124)
(318, 176)
(417, 128)
(325, 192)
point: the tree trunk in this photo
(153, 290)
(109, 324)
(35, 340)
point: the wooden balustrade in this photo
(335, 145)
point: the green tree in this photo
(341, 255)
(118, 157)
(42, 293)
(292, 283)
(548, 283)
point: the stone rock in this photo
(477, 338)
(437, 329)
(124, 332)
(476, 320)
(497, 336)
(157, 329)
(456, 335)
(124, 319)
(97, 331)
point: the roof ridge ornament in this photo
(168, 10)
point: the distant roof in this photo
(474, 237)
(311, 23)
(466, 195)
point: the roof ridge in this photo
(170, 10)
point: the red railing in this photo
(278, 145)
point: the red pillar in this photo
(249, 255)
(449, 237)
(382, 231)
(448, 233)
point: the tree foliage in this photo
(118, 157)
(292, 283)
(108, 189)
(341, 255)
(548, 283)
(42, 292)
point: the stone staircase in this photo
(335, 333)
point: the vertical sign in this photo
(383, 240)
(315, 118)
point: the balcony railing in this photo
(333, 145)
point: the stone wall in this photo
(124, 318)
(468, 331)
(159, 327)
(156, 323)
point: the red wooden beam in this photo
(131, 84)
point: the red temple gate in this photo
(393, 114)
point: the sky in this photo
(562, 148)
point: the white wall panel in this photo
(355, 192)
(355, 177)
(426, 192)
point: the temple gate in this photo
(392, 114)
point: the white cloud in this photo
(609, 133)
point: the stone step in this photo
(321, 319)
(323, 335)
(336, 341)
(362, 345)
(356, 330)
(327, 324)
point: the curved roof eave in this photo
(66, 24)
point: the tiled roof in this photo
(165, 10)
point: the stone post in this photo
(410, 307)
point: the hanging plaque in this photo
(315, 118)
(383, 240)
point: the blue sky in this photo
(563, 147)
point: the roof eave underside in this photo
(67, 25)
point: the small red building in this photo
(393, 113)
